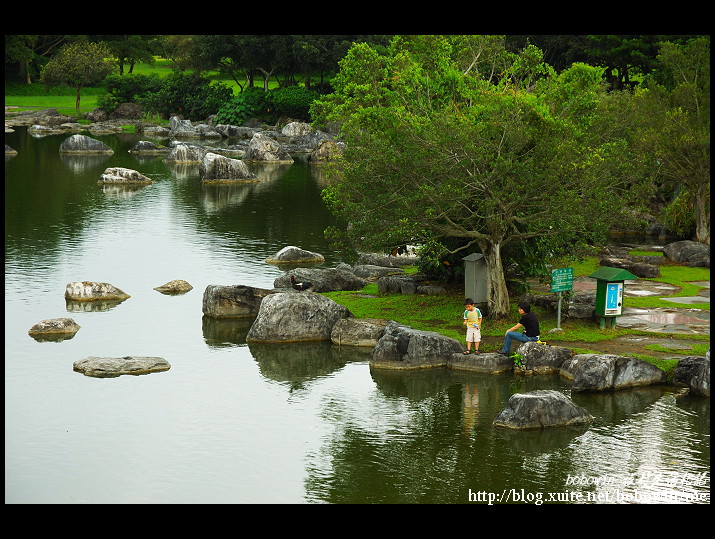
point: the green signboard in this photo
(562, 280)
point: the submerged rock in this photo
(540, 409)
(111, 367)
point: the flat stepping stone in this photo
(111, 367)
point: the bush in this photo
(127, 89)
(192, 96)
(293, 102)
(250, 103)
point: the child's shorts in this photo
(473, 334)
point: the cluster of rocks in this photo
(685, 252)
(103, 295)
(250, 144)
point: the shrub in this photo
(293, 102)
(191, 95)
(250, 103)
(127, 89)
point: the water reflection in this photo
(238, 423)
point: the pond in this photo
(233, 423)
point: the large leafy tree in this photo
(79, 65)
(437, 154)
(676, 132)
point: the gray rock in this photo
(295, 255)
(323, 279)
(91, 291)
(84, 144)
(174, 287)
(124, 176)
(606, 372)
(487, 362)
(325, 152)
(216, 168)
(639, 269)
(146, 147)
(402, 347)
(296, 317)
(540, 409)
(371, 271)
(540, 358)
(186, 153)
(111, 367)
(263, 148)
(690, 253)
(358, 331)
(694, 372)
(55, 326)
(235, 301)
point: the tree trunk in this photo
(497, 293)
(79, 89)
(702, 215)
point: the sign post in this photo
(561, 281)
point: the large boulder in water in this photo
(264, 149)
(402, 347)
(606, 372)
(322, 279)
(186, 153)
(540, 409)
(296, 317)
(84, 144)
(233, 301)
(216, 168)
(694, 372)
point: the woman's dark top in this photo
(531, 324)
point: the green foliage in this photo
(78, 65)
(128, 89)
(292, 102)
(191, 95)
(251, 103)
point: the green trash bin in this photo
(609, 294)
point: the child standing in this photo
(473, 321)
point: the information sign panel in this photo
(562, 280)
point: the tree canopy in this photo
(461, 159)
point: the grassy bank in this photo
(443, 314)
